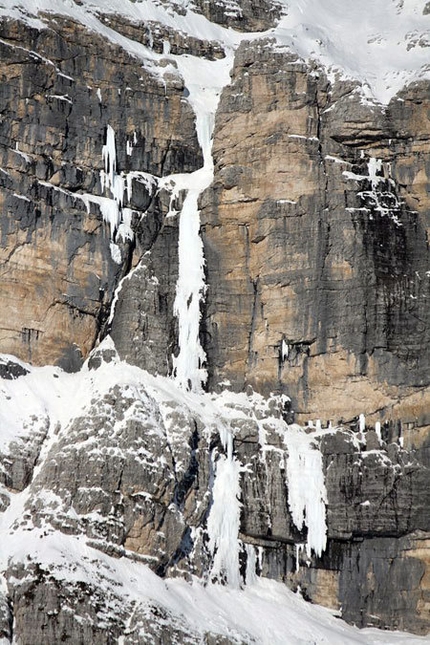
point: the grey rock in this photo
(46, 610)
(11, 370)
(335, 271)
(54, 120)
(385, 577)
(258, 15)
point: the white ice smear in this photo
(204, 81)
(307, 495)
(224, 518)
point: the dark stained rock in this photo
(54, 243)
(11, 370)
(315, 232)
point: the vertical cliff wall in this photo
(316, 234)
(84, 129)
(302, 296)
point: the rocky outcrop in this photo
(315, 231)
(60, 94)
(163, 40)
(315, 234)
(143, 326)
(134, 473)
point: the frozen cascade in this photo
(224, 517)
(190, 288)
(118, 218)
(188, 366)
(307, 495)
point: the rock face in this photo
(245, 16)
(136, 474)
(58, 219)
(315, 231)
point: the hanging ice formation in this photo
(307, 495)
(224, 517)
(380, 194)
(112, 209)
(188, 366)
(190, 288)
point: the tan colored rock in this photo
(315, 289)
(58, 273)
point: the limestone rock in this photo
(258, 15)
(318, 279)
(59, 270)
(315, 234)
(133, 475)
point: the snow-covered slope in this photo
(257, 611)
(383, 44)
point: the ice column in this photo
(188, 366)
(190, 288)
(307, 495)
(224, 517)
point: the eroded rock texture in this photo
(135, 476)
(61, 89)
(316, 240)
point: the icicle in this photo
(285, 350)
(224, 521)
(362, 422)
(109, 177)
(374, 166)
(378, 431)
(300, 547)
(307, 495)
(109, 156)
(112, 208)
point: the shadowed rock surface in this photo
(315, 234)
(316, 229)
